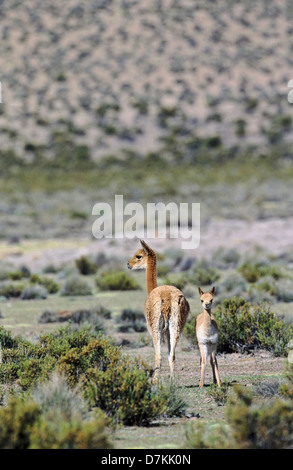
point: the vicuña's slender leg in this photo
(214, 365)
(173, 342)
(157, 346)
(174, 337)
(203, 354)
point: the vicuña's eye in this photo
(138, 256)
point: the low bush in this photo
(286, 389)
(252, 272)
(204, 275)
(86, 266)
(117, 384)
(250, 425)
(92, 318)
(75, 285)
(35, 291)
(116, 280)
(284, 290)
(180, 281)
(16, 275)
(11, 289)
(219, 394)
(24, 425)
(125, 393)
(132, 320)
(243, 327)
(51, 285)
(226, 258)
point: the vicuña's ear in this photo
(147, 249)
(200, 291)
(213, 291)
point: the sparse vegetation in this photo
(243, 326)
(117, 384)
(86, 266)
(132, 320)
(116, 280)
(250, 425)
(129, 128)
(27, 425)
(76, 285)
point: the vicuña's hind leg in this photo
(157, 346)
(174, 337)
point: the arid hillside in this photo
(120, 75)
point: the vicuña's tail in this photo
(166, 307)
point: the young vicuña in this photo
(207, 336)
(166, 308)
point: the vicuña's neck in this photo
(207, 315)
(151, 273)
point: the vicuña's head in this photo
(140, 259)
(206, 298)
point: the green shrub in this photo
(243, 327)
(86, 266)
(16, 275)
(116, 280)
(189, 329)
(174, 280)
(6, 339)
(265, 426)
(250, 425)
(252, 272)
(17, 420)
(23, 425)
(35, 291)
(204, 276)
(224, 258)
(51, 285)
(286, 389)
(219, 394)
(124, 392)
(92, 318)
(284, 290)
(27, 363)
(132, 320)
(117, 384)
(75, 285)
(240, 127)
(10, 289)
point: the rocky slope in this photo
(127, 74)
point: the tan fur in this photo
(166, 308)
(207, 336)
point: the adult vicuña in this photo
(207, 336)
(166, 308)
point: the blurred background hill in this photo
(159, 100)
